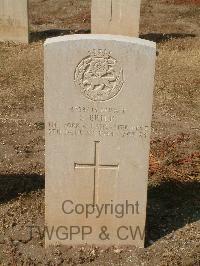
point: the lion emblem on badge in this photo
(99, 76)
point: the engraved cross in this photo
(96, 166)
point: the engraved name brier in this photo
(99, 76)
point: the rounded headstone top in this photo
(101, 37)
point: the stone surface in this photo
(119, 17)
(98, 108)
(14, 21)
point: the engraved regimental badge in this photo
(99, 76)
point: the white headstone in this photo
(119, 17)
(14, 21)
(98, 108)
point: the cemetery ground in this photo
(173, 211)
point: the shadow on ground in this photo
(171, 205)
(13, 185)
(156, 37)
(162, 37)
(42, 35)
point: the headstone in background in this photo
(14, 21)
(119, 17)
(98, 108)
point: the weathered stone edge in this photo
(106, 37)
